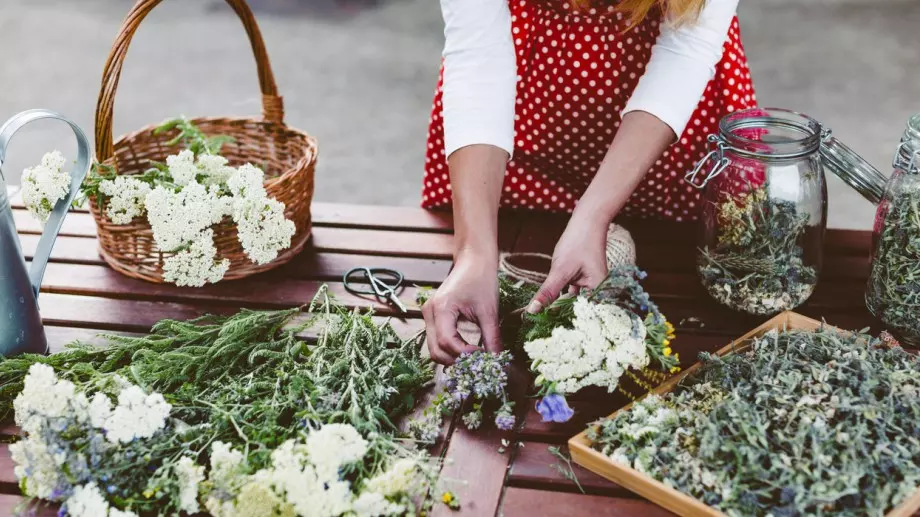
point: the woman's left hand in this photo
(579, 260)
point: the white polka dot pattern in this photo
(575, 73)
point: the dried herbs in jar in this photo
(757, 264)
(893, 292)
(764, 211)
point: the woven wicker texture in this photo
(287, 156)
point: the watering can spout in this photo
(21, 329)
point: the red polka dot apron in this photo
(576, 70)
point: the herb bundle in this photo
(234, 414)
(612, 332)
(894, 282)
(804, 423)
(757, 264)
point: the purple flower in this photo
(554, 408)
(504, 417)
(504, 422)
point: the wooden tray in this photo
(669, 498)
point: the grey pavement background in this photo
(359, 74)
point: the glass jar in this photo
(765, 207)
(893, 291)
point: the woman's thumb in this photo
(548, 292)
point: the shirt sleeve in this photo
(682, 63)
(480, 74)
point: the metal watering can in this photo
(21, 328)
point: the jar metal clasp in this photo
(914, 163)
(719, 163)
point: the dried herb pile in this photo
(757, 264)
(894, 283)
(807, 423)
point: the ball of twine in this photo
(620, 251)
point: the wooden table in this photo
(82, 297)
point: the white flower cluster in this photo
(88, 501)
(126, 198)
(604, 342)
(201, 192)
(52, 467)
(305, 478)
(137, 415)
(44, 185)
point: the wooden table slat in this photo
(524, 502)
(534, 466)
(77, 311)
(270, 290)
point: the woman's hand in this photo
(579, 260)
(470, 292)
(471, 289)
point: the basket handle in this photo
(272, 106)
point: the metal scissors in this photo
(380, 282)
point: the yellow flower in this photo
(667, 343)
(675, 369)
(447, 498)
(667, 350)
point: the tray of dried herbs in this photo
(757, 263)
(795, 421)
(893, 293)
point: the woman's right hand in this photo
(470, 292)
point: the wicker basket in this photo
(287, 156)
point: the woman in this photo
(588, 106)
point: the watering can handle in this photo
(53, 226)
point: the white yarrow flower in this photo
(126, 197)
(247, 182)
(333, 446)
(87, 501)
(137, 415)
(397, 479)
(262, 228)
(197, 265)
(44, 185)
(182, 167)
(189, 475)
(605, 341)
(179, 218)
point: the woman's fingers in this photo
(550, 289)
(487, 319)
(447, 339)
(434, 348)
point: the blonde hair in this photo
(677, 11)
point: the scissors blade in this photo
(396, 301)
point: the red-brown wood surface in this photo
(82, 297)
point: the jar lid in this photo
(853, 169)
(907, 158)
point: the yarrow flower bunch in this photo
(68, 435)
(306, 477)
(596, 339)
(231, 415)
(183, 198)
(44, 185)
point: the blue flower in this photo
(554, 408)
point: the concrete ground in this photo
(359, 74)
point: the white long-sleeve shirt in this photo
(480, 71)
